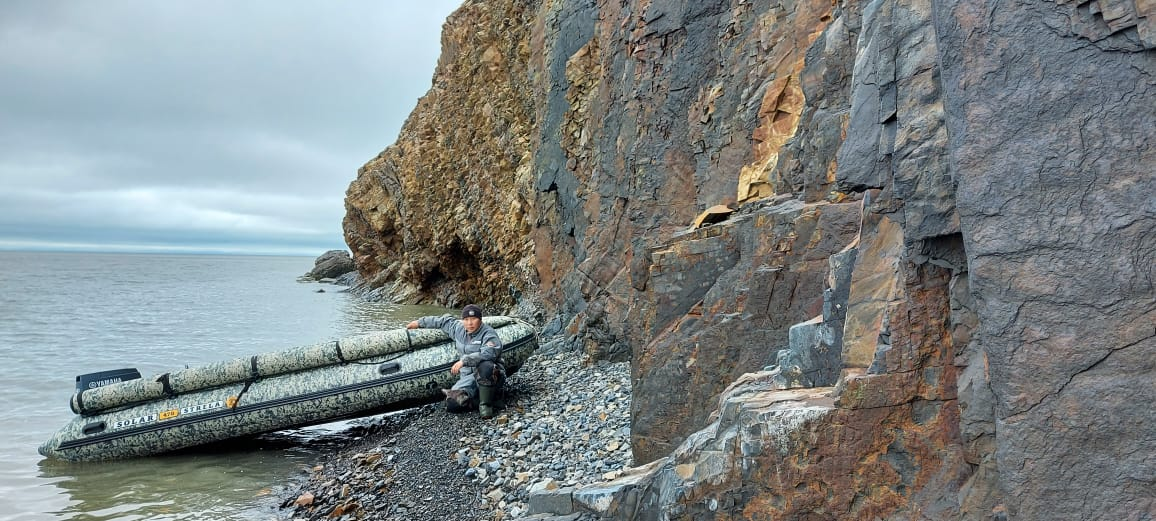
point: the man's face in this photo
(472, 324)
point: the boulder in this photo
(331, 264)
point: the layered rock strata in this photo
(935, 299)
(443, 214)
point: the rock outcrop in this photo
(936, 298)
(443, 214)
(331, 264)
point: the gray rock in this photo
(1055, 200)
(557, 502)
(331, 264)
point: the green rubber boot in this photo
(486, 401)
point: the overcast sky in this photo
(200, 125)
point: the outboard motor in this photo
(103, 378)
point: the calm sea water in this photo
(63, 314)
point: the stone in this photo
(331, 264)
(556, 502)
(545, 485)
(715, 214)
(304, 500)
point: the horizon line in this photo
(164, 249)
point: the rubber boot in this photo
(486, 401)
(499, 400)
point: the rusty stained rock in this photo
(443, 214)
(880, 446)
(713, 215)
(304, 500)
(571, 121)
(655, 127)
(749, 279)
(1000, 302)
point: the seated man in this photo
(479, 368)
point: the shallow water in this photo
(63, 314)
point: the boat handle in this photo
(93, 428)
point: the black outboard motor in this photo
(103, 378)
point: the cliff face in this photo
(936, 296)
(443, 214)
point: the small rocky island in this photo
(329, 267)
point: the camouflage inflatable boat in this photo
(120, 415)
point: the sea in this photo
(65, 314)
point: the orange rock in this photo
(304, 500)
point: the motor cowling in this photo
(103, 378)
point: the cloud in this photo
(153, 218)
(188, 123)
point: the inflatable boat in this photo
(121, 415)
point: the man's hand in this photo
(411, 325)
(457, 368)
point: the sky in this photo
(200, 125)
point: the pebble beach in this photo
(566, 424)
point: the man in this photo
(479, 349)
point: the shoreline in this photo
(566, 424)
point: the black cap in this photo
(471, 311)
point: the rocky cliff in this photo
(443, 215)
(930, 292)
